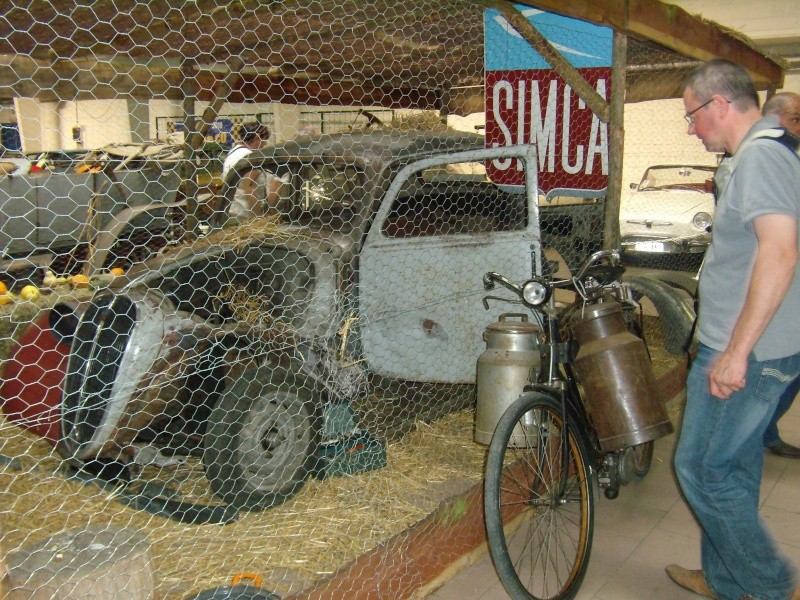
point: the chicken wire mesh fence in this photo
(272, 376)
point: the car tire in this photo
(262, 439)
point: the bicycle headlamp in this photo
(534, 292)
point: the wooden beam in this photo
(616, 145)
(674, 28)
(192, 141)
(412, 559)
(138, 47)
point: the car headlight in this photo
(702, 221)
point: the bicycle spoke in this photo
(543, 488)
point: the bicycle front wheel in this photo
(538, 501)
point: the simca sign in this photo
(528, 103)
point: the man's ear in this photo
(721, 104)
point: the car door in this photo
(441, 226)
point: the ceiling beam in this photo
(674, 28)
(127, 49)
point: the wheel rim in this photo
(543, 551)
(274, 440)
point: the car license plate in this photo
(649, 247)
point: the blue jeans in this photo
(718, 462)
(771, 435)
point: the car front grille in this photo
(98, 347)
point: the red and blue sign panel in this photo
(528, 103)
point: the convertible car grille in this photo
(97, 351)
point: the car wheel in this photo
(262, 439)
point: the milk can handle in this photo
(522, 316)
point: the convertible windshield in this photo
(677, 177)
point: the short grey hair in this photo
(725, 78)
(779, 103)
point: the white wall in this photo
(792, 82)
(103, 122)
(49, 125)
(38, 124)
(287, 119)
(656, 133)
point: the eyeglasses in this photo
(690, 118)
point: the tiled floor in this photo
(649, 526)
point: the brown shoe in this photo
(691, 580)
(784, 449)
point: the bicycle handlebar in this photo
(596, 257)
(491, 277)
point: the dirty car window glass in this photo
(677, 177)
(323, 195)
(455, 199)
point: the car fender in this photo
(675, 309)
(107, 238)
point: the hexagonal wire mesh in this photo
(288, 353)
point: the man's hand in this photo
(727, 376)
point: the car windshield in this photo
(678, 177)
(322, 195)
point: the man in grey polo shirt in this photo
(749, 351)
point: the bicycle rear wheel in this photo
(538, 482)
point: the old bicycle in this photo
(590, 413)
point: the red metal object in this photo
(33, 380)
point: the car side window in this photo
(321, 195)
(454, 200)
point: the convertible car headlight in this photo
(702, 220)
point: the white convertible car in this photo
(666, 218)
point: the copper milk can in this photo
(619, 388)
(510, 362)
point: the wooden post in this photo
(104, 563)
(192, 141)
(616, 142)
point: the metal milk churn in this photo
(619, 387)
(510, 362)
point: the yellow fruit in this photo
(3, 288)
(6, 298)
(118, 271)
(30, 292)
(80, 281)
